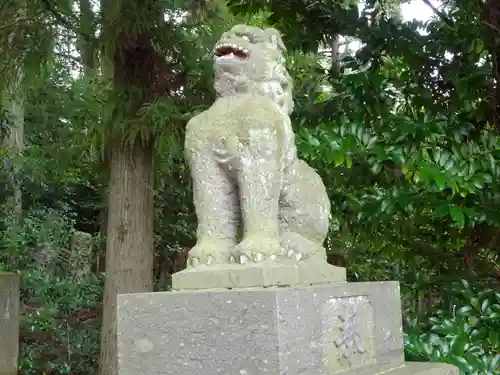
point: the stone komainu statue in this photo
(247, 178)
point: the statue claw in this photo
(295, 255)
(195, 262)
(257, 249)
(209, 253)
(298, 256)
(242, 259)
(258, 257)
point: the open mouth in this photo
(230, 50)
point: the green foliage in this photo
(60, 325)
(408, 155)
(468, 337)
(404, 133)
(36, 239)
(60, 315)
(27, 43)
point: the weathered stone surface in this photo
(257, 275)
(80, 261)
(344, 328)
(421, 368)
(9, 323)
(244, 164)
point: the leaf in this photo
(494, 316)
(404, 169)
(348, 161)
(371, 141)
(338, 158)
(459, 345)
(416, 176)
(458, 216)
(376, 168)
(474, 301)
(461, 362)
(494, 338)
(464, 311)
(449, 165)
(384, 205)
(444, 158)
(440, 180)
(495, 363)
(485, 305)
(437, 155)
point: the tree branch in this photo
(440, 14)
(52, 10)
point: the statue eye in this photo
(244, 37)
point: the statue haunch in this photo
(247, 178)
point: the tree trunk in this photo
(129, 246)
(141, 75)
(335, 56)
(14, 142)
(86, 38)
(103, 231)
(12, 103)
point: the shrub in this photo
(60, 316)
(467, 335)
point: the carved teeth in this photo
(232, 46)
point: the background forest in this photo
(95, 198)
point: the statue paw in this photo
(295, 255)
(256, 249)
(300, 249)
(209, 253)
(197, 261)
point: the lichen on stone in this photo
(246, 173)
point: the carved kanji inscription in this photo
(347, 336)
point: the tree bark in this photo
(86, 38)
(143, 75)
(14, 142)
(12, 103)
(129, 246)
(335, 51)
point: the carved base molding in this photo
(258, 275)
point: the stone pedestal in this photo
(9, 323)
(308, 323)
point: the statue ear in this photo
(274, 37)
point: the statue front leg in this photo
(216, 205)
(259, 182)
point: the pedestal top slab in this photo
(258, 275)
